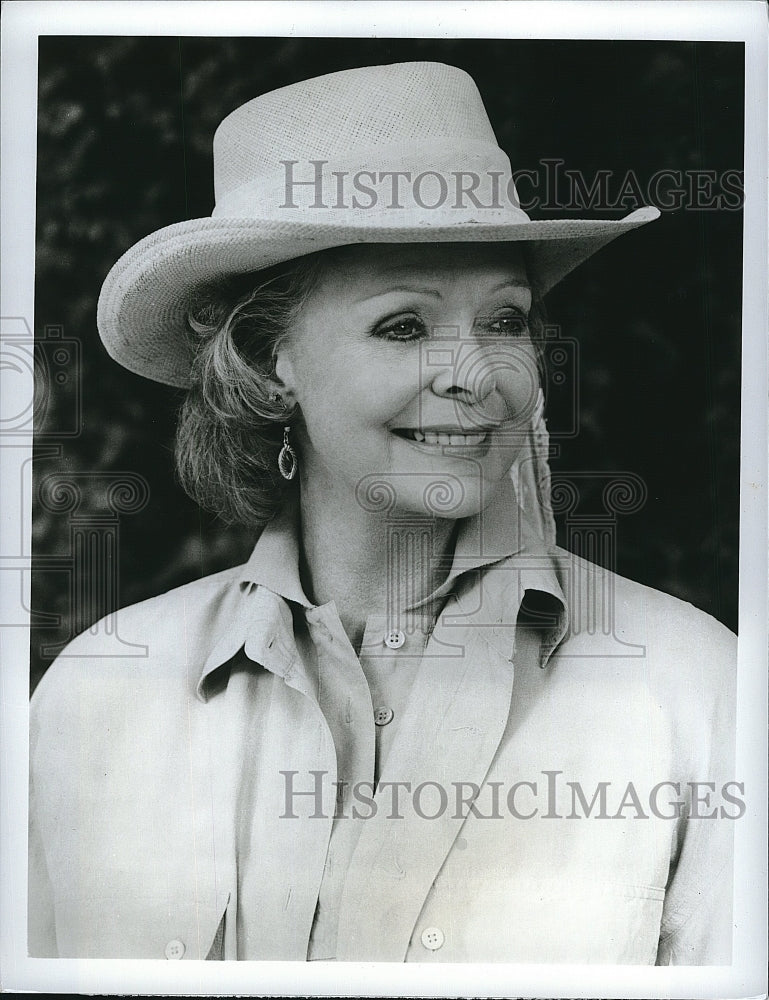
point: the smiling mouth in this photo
(443, 438)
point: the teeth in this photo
(441, 438)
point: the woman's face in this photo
(414, 375)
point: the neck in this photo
(369, 563)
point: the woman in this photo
(410, 728)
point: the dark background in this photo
(124, 147)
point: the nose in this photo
(497, 380)
(466, 371)
(467, 390)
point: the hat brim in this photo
(145, 298)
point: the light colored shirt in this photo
(538, 763)
(363, 697)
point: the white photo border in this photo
(725, 20)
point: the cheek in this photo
(518, 379)
(359, 386)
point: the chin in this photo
(451, 497)
(435, 486)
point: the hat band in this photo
(394, 185)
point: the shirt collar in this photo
(500, 531)
(274, 562)
(497, 532)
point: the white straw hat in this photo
(383, 154)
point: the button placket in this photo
(345, 701)
(383, 715)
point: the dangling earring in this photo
(287, 462)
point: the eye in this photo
(506, 323)
(403, 327)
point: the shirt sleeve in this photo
(705, 937)
(50, 736)
(697, 918)
(41, 925)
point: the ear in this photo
(284, 379)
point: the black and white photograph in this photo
(390, 491)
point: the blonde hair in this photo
(230, 425)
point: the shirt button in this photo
(433, 938)
(175, 949)
(383, 715)
(394, 639)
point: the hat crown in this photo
(370, 108)
(417, 122)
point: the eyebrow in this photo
(401, 288)
(523, 285)
(421, 290)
